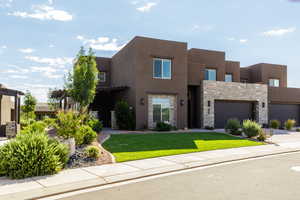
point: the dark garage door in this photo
(225, 110)
(283, 112)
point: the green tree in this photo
(29, 106)
(82, 83)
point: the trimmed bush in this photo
(50, 122)
(289, 124)
(31, 154)
(298, 129)
(92, 152)
(95, 124)
(125, 116)
(262, 136)
(87, 134)
(209, 128)
(233, 126)
(275, 124)
(161, 126)
(251, 128)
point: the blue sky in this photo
(39, 38)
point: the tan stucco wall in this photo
(6, 106)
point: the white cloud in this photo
(50, 2)
(279, 32)
(44, 12)
(197, 27)
(3, 47)
(56, 62)
(243, 40)
(147, 7)
(18, 76)
(26, 50)
(101, 43)
(47, 71)
(231, 38)
(51, 45)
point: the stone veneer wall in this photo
(173, 111)
(218, 90)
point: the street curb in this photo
(171, 171)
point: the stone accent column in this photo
(113, 120)
(11, 129)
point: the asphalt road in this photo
(262, 179)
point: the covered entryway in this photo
(240, 110)
(283, 112)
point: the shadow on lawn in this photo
(162, 141)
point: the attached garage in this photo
(283, 112)
(225, 110)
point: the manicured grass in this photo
(140, 146)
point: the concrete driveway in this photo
(3, 141)
(286, 138)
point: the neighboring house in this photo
(165, 81)
(43, 110)
(9, 111)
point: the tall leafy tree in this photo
(29, 106)
(83, 81)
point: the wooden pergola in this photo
(17, 95)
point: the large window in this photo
(102, 76)
(161, 110)
(274, 82)
(211, 74)
(162, 68)
(228, 77)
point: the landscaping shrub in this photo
(233, 126)
(298, 129)
(209, 128)
(37, 126)
(31, 154)
(86, 134)
(95, 124)
(62, 150)
(26, 122)
(262, 136)
(251, 128)
(161, 126)
(125, 116)
(50, 122)
(67, 125)
(275, 124)
(92, 152)
(289, 124)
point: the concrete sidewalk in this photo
(74, 179)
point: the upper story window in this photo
(274, 82)
(162, 68)
(102, 77)
(228, 77)
(211, 74)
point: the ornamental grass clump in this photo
(92, 152)
(30, 154)
(251, 128)
(289, 124)
(275, 124)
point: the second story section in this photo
(104, 67)
(270, 74)
(211, 65)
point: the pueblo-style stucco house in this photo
(9, 111)
(165, 81)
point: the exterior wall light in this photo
(263, 104)
(142, 101)
(182, 102)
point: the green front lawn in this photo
(140, 146)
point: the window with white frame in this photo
(274, 82)
(161, 110)
(102, 76)
(162, 68)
